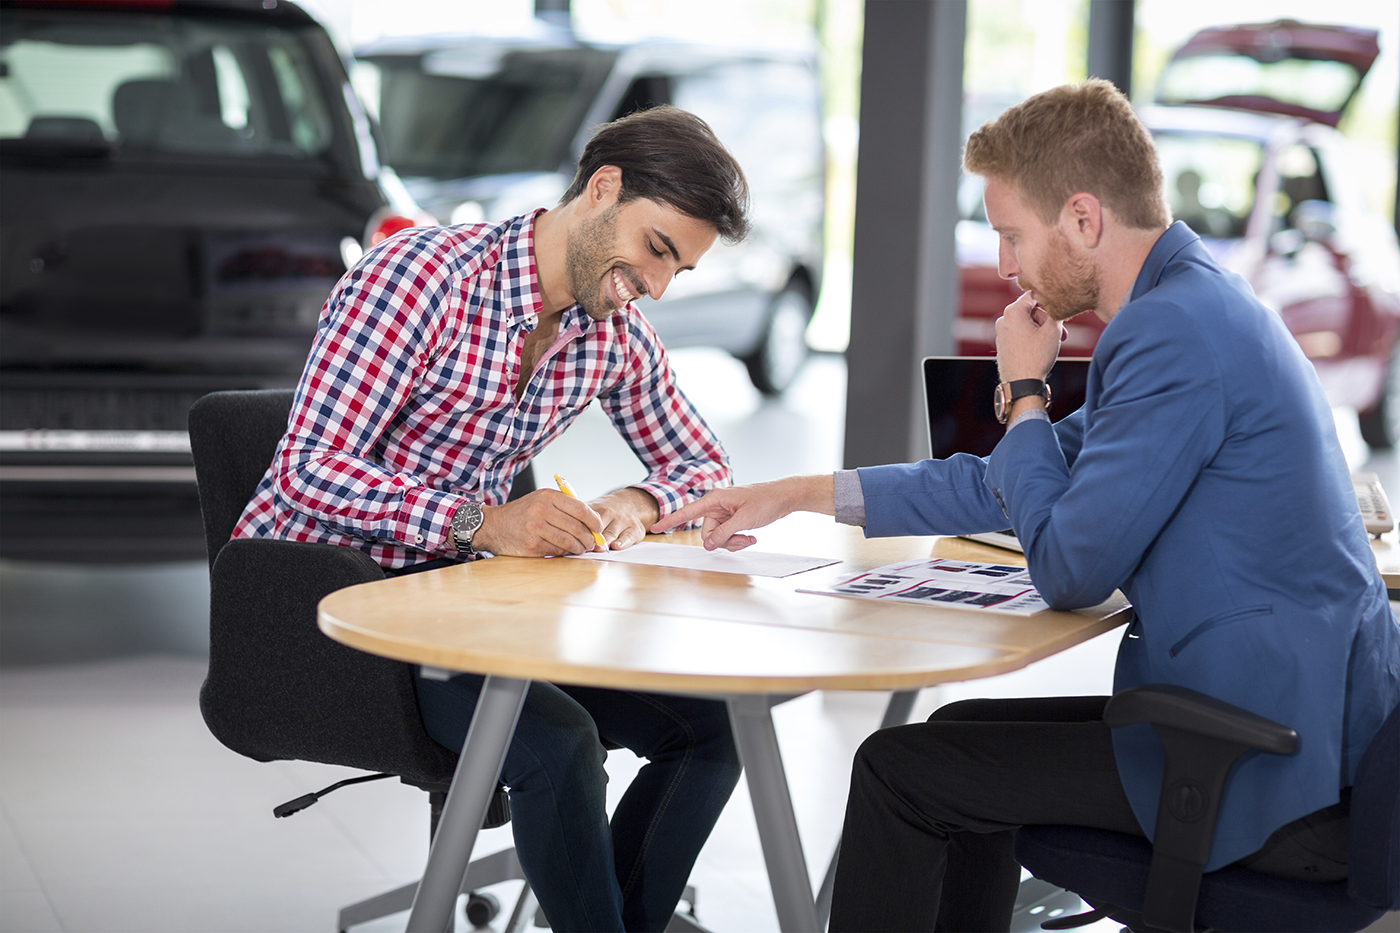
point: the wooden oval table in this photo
(751, 640)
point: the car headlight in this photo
(350, 251)
(468, 212)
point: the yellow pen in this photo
(568, 490)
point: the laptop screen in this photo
(958, 400)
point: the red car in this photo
(1245, 123)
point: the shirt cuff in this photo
(850, 498)
(1030, 414)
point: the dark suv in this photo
(181, 184)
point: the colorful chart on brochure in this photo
(958, 584)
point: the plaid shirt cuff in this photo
(427, 525)
(668, 498)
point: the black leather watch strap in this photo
(1020, 388)
(1008, 392)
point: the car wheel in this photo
(783, 349)
(1380, 426)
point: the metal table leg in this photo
(896, 714)
(478, 769)
(772, 810)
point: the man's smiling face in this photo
(631, 249)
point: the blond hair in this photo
(1074, 138)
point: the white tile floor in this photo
(122, 813)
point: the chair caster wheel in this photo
(481, 909)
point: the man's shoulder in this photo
(1194, 301)
(461, 246)
(1203, 325)
(469, 250)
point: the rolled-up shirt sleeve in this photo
(850, 499)
(683, 457)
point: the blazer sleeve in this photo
(1087, 520)
(943, 497)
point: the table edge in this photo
(621, 678)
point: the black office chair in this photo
(1161, 887)
(278, 688)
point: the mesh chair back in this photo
(277, 687)
(233, 436)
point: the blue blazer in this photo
(1203, 477)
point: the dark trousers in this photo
(590, 874)
(934, 807)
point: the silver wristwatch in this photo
(465, 523)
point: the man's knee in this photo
(556, 738)
(696, 729)
(974, 710)
(879, 755)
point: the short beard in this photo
(586, 262)
(1068, 285)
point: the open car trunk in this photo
(1287, 67)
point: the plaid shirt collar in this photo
(520, 263)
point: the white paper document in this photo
(686, 557)
(939, 582)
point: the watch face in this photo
(465, 522)
(999, 403)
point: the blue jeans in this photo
(587, 874)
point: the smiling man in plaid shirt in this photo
(445, 361)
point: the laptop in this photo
(958, 403)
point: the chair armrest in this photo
(1203, 738)
(1172, 707)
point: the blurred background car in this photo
(181, 184)
(485, 127)
(1245, 122)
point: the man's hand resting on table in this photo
(542, 524)
(548, 523)
(726, 512)
(626, 515)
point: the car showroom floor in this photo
(121, 812)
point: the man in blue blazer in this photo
(1202, 476)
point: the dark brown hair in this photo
(672, 157)
(1078, 137)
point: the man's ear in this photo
(603, 188)
(1082, 218)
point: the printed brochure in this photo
(940, 582)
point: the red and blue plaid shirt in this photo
(406, 408)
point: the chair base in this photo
(482, 873)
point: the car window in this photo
(463, 112)
(766, 113)
(159, 84)
(645, 91)
(1210, 180)
(1299, 180)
